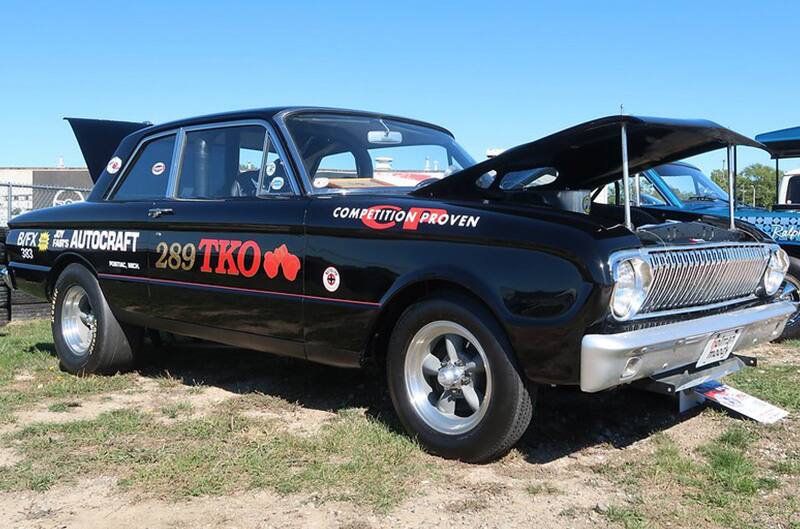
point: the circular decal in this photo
(330, 278)
(321, 182)
(276, 184)
(158, 168)
(270, 168)
(114, 165)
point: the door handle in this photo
(157, 212)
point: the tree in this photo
(755, 176)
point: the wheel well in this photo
(61, 263)
(382, 329)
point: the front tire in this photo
(452, 380)
(87, 336)
(792, 329)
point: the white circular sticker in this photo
(158, 168)
(276, 184)
(270, 168)
(330, 278)
(114, 165)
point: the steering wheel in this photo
(426, 182)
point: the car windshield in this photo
(689, 184)
(351, 151)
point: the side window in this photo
(148, 175)
(222, 162)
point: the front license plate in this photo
(719, 347)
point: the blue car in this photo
(682, 186)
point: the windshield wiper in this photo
(704, 197)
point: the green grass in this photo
(29, 371)
(722, 480)
(24, 346)
(354, 458)
(777, 384)
(789, 466)
(63, 407)
(537, 489)
(175, 410)
(627, 517)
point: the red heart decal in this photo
(291, 265)
(271, 264)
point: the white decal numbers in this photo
(27, 253)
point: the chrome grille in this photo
(698, 276)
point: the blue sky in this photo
(495, 73)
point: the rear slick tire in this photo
(88, 337)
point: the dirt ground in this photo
(564, 474)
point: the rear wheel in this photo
(5, 295)
(452, 380)
(87, 336)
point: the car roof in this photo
(681, 164)
(271, 112)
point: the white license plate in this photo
(719, 347)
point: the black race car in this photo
(354, 238)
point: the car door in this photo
(228, 241)
(117, 241)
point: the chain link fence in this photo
(16, 199)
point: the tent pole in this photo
(777, 181)
(736, 172)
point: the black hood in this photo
(99, 138)
(589, 155)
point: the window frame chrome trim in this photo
(178, 155)
(264, 151)
(304, 178)
(123, 173)
(280, 122)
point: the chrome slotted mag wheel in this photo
(447, 377)
(77, 320)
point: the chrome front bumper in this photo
(5, 276)
(609, 360)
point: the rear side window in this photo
(147, 177)
(222, 162)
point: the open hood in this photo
(589, 155)
(99, 138)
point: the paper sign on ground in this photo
(741, 402)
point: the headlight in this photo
(632, 280)
(776, 270)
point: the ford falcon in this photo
(356, 238)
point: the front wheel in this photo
(792, 329)
(453, 382)
(87, 336)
